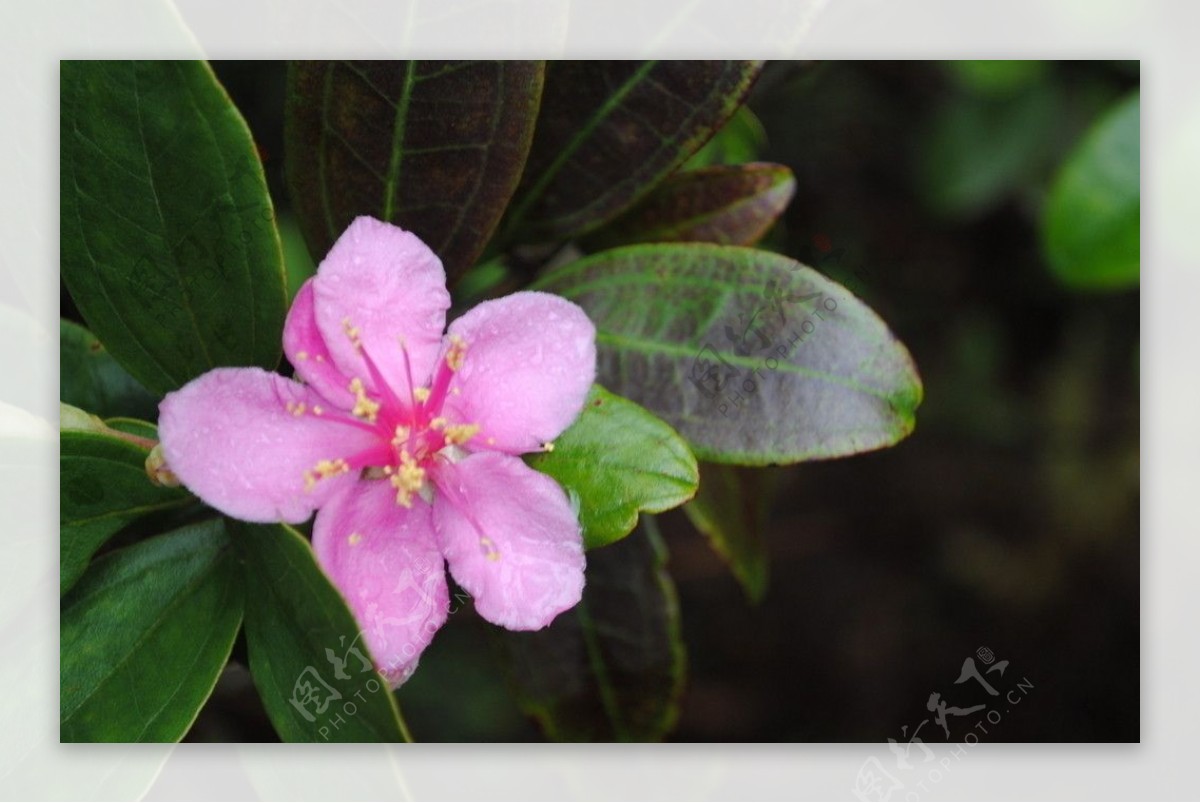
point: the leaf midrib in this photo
(125, 511)
(186, 591)
(187, 304)
(229, 590)
(315, 593)
(535, 193)
(99, 274)
(398, 129)
(595, 654)
(645, 346)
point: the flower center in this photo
(414, 433)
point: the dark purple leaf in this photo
(434, 147)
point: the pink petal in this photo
(530, 360)
(387, 285)
(385, 560)
(231, 438)
(511, 539)
(307, 352)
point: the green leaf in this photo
(103, 487)
(168, 244)
(297, 261)
(611, 668)
(1092, 221)
(996, 77)
(732, 205)
(757, 359)
(306, 652)
(608, 131)
(731, 510)
(435, 147)
(740, 140)
(977, 150)
(483, 281)
(92, 380)
(618, 459)
(133, 426)
(145, 636)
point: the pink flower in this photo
(404, 441)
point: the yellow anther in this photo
(352, 333)
(458, 434)
(457, 352)
(302, 355)
(324, 469)
(548, 446)
(407, 479)
(363, 407)
(354, 539)
(489, 549)
(438, 422)
(421, 394)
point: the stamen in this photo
(363, 407)
(548, 446)
(354, 539)
(352, 333)
(407, 479)
(340, 417)
(446, 369)
(408, 371)
(457, 352)
(324, 469)
(458, 434)
(446, 481)
(489, 549)
(381, 385)
(421, 394)
(438, 422)
(302, 355)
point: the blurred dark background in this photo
(1009, 520)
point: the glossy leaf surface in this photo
(615, 461)
(756, 360)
